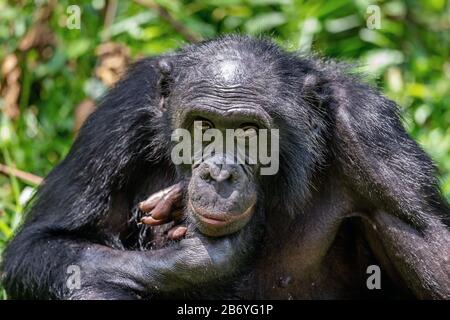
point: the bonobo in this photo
(351, 190)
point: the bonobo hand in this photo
(199, 258)
(163, 207)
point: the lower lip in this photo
(217, 222)
(212, 222)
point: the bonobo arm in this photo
(422, 259)
(38, 268)
(393, 182)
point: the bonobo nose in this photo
(221, 175)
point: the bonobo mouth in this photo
(220, 224)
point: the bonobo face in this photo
(222, 192)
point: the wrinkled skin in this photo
(353, 190)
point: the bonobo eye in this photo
(202, 124)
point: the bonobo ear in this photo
(378, 159)
(164, 68)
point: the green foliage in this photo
(407, 58)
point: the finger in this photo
(173, 192)
(162, 210)
(170, 214)
(176, 233)
(165, 207)
(154, 222)
(151, 201)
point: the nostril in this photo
(212, 172)
(206, 176)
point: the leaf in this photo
(269, 2)
(376, 61)
(264, 22)
(77, 48)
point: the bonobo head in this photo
(225, 90)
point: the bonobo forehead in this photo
(231, 61)
(229, 75)
(229, 71)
